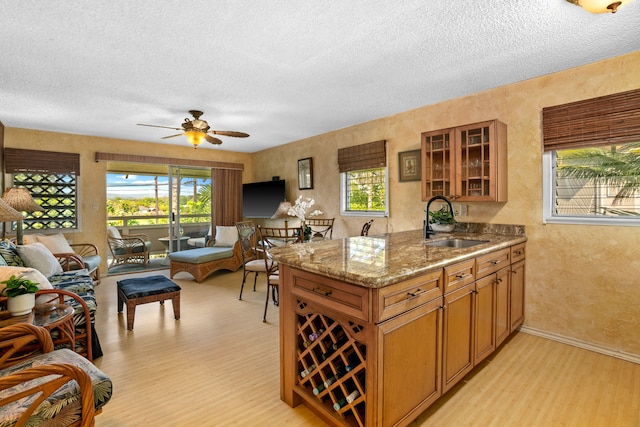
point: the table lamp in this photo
(20, 200)
(283, 213)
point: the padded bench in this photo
(143, 290)
(202, 262)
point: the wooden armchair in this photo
(85, 255)
(127, 249)
(39, 385)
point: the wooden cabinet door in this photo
(485, 318)
(438, 170)
(517, 295)
(409, 363)
(457, 337)
(503, 323)
(466, 163)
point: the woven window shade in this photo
(607, 120)
(364, 156)
(17, 160)
(135, 158)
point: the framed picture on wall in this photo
(410, 165)
(305, 174)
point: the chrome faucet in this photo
(428, 231)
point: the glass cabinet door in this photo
(437, 164)
(474, 162)
(466, 163)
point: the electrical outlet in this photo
(459, 209)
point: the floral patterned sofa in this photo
(74, 288)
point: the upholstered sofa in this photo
(74, 288)
(223, 252)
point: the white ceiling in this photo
(278, 70)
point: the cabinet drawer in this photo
(345, 298)
(459, 275)
(406, 295)
(517, 252)
(490, 263)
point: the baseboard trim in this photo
(629, 357)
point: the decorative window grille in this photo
(57, 194)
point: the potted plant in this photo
(442, 220)
(21, 295)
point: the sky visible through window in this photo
(130, 186)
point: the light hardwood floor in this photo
(219, 366)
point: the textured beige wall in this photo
(92, 183)
(581, 280)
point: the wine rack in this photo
(332, 365)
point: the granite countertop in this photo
(381, 260)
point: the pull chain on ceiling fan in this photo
(198, 130)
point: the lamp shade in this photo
(20, 200)
(282, 211)
(7, 213)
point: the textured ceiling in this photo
(278, 70)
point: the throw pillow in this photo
(226, 235)
(28, 239)
(113, 232)
(39, 257)
(10, 254)
(56, 243)
(28, 273)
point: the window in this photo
(591, 163)
(363, 179)
(365, 191)
(56, 193)
(52, 179)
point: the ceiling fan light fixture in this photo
(599, 6)
(195, 137)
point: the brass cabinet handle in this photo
(322, 292)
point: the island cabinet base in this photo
(365, 356)
(345, 364)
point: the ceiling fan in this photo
(198, 130)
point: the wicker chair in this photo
(85, 255)
(61, 388)
(127, 249)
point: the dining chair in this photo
(320, 227)
(251, 262)
(365, 228)
(271, 237)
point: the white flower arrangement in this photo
(299, 209)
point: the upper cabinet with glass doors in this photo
(466, 163)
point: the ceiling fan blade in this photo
(172, 136)
(229, 133)
(213, 139)
(156, 126)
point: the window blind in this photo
(364, 156)
(17, 160)
(606, 120)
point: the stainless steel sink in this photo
(456, 243)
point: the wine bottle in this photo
(308, 370)
(314, 335)
(318, 389)
(333, 347)
(340, 403)
(335, 377)
(353, 396)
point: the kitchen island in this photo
(375, 329)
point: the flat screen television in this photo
(261, 199)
